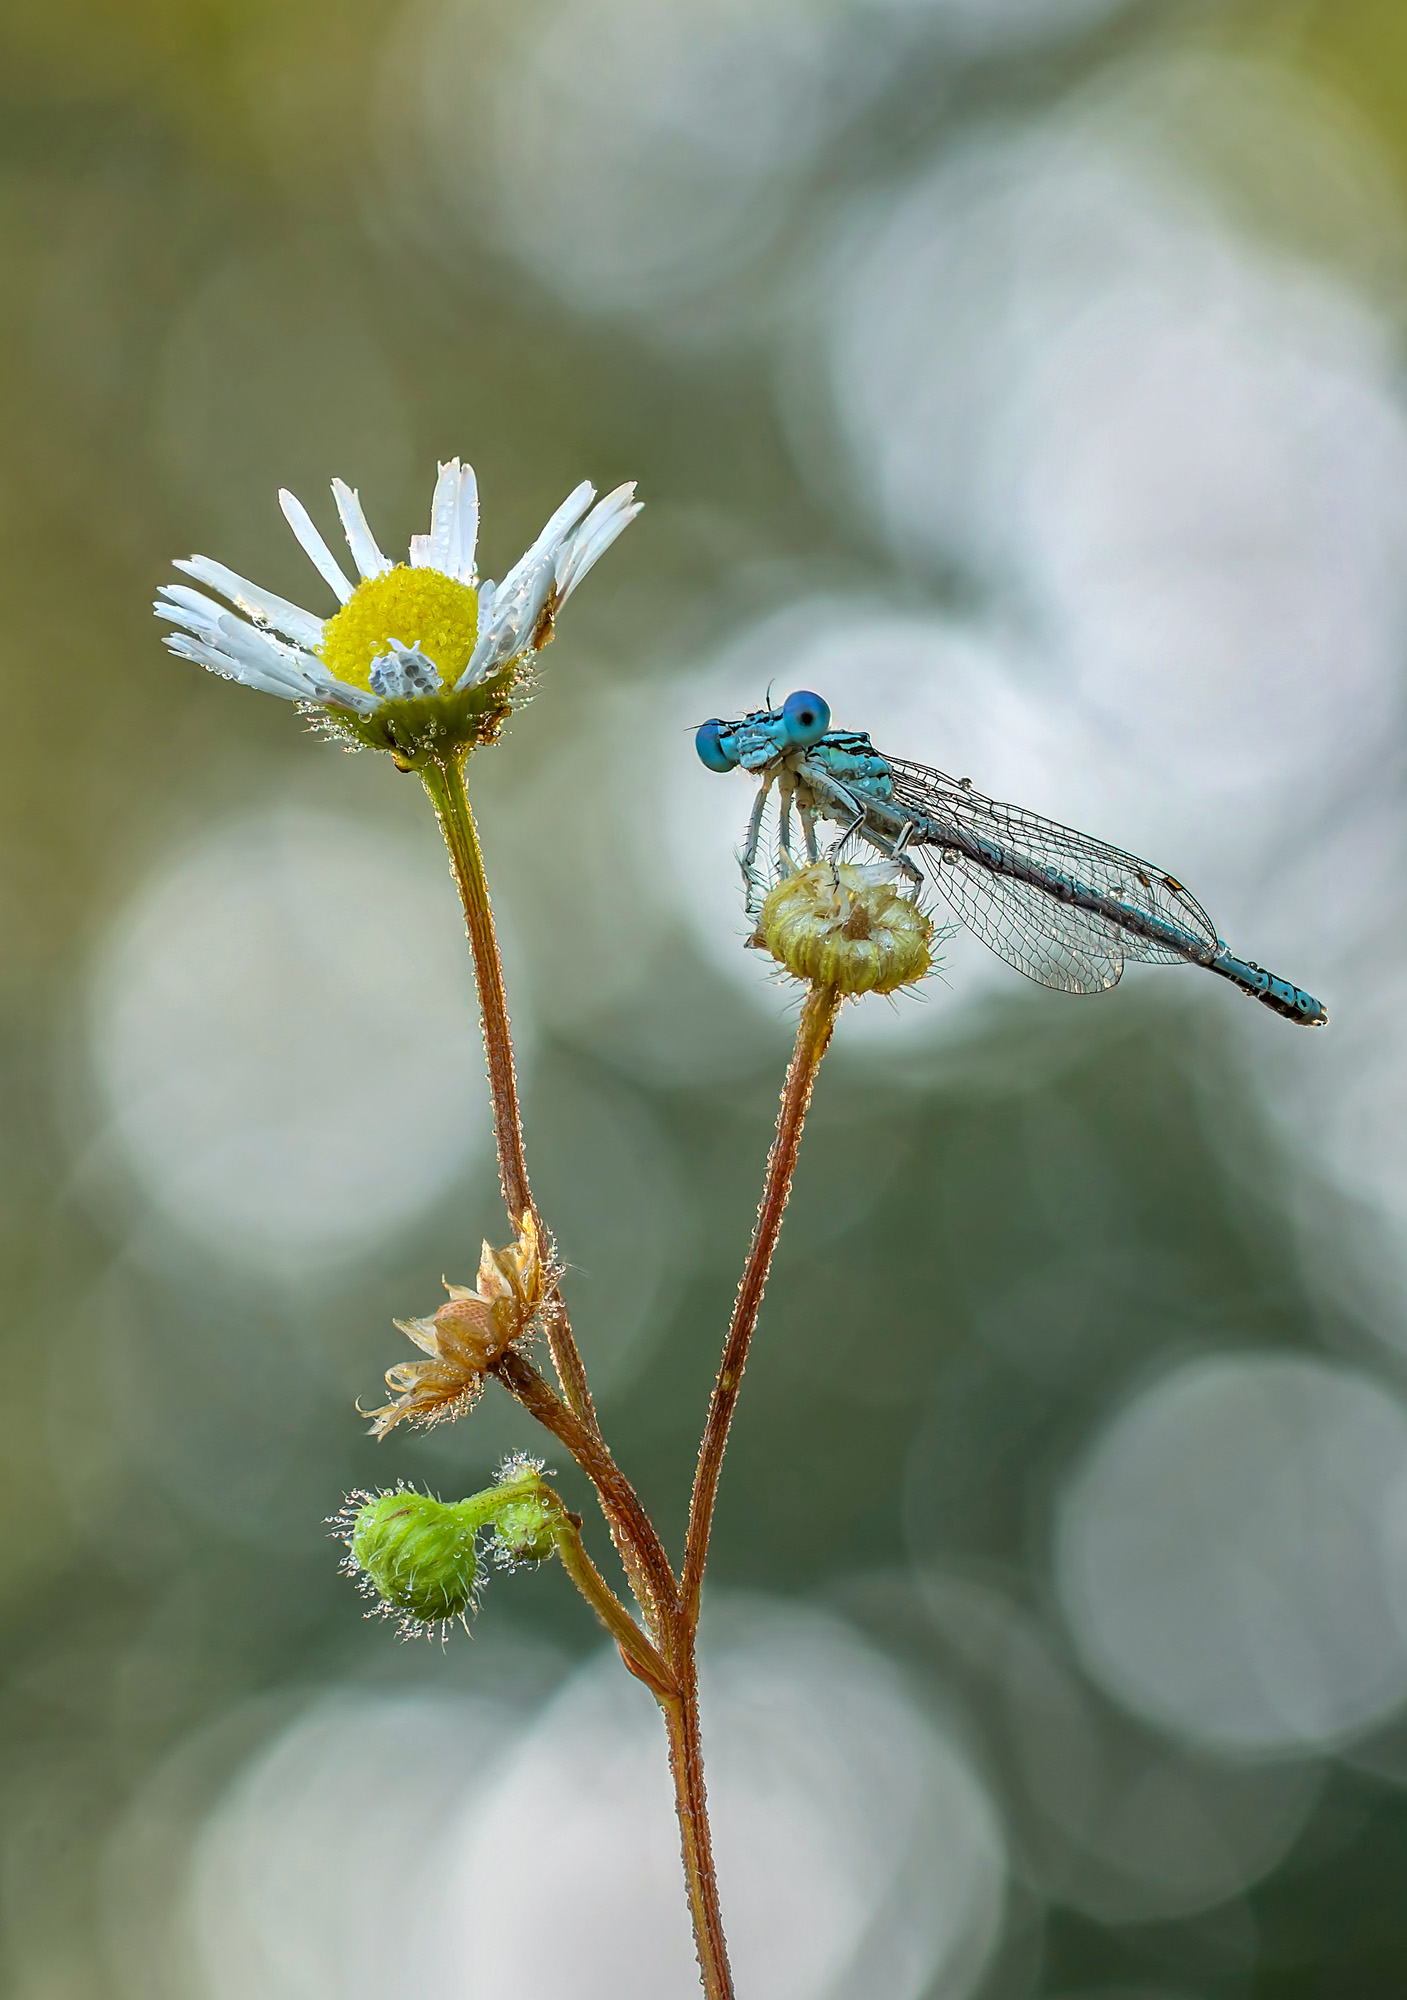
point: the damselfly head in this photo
(799, 724)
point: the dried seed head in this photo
(466, 1337)
(846, 926)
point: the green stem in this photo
(643, 1659)
(444, 781)
(813, 1034)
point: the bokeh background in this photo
(1024, 375)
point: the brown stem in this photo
(813, 1036)
(632, 1530)
(681, 1719)
(444, 781)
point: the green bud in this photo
(526, 1530)
(525, 1512)
(416, 1553)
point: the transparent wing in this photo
(1053, 942)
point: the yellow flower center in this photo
(421, 607)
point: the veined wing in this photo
(1051, 939)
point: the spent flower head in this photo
(422, 655)
(845, 924)
(464, 1339)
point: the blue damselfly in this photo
(1060, 906)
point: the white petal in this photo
(444, 511)
(515, 607)
(216, 639)
(313, 545)
(187, 607)
(454, 525)
(556, 532)
(327, 689)
(600, 528)
(360, 540)
(565, 518)
(260, 605)
(232, 670)
(464, 545)
(260, 650)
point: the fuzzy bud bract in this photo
(846, 926)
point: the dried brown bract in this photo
(464, 1339)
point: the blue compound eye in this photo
(805, 719)
(711, 748)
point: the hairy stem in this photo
(813, 1036)
(444, 781)
(681, 1719)
(643, 1659)
(641, 1550)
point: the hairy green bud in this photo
(416, 1554)
(526, 1514)
(526, 1530)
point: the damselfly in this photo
(1063, 908)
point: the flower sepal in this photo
(419, 730)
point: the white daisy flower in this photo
(426, 632)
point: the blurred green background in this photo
(1026, 376)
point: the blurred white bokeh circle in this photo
(643, 154)
(320, 1875)
(856, 1849)
(1105, 1815)
(1231, 1556)
(284, 1035)
(991, 27)
(652, 161)
(1177, 455)
(410, 1844)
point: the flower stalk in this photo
(681, 1720)
(813, 1036)
(443, 779)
